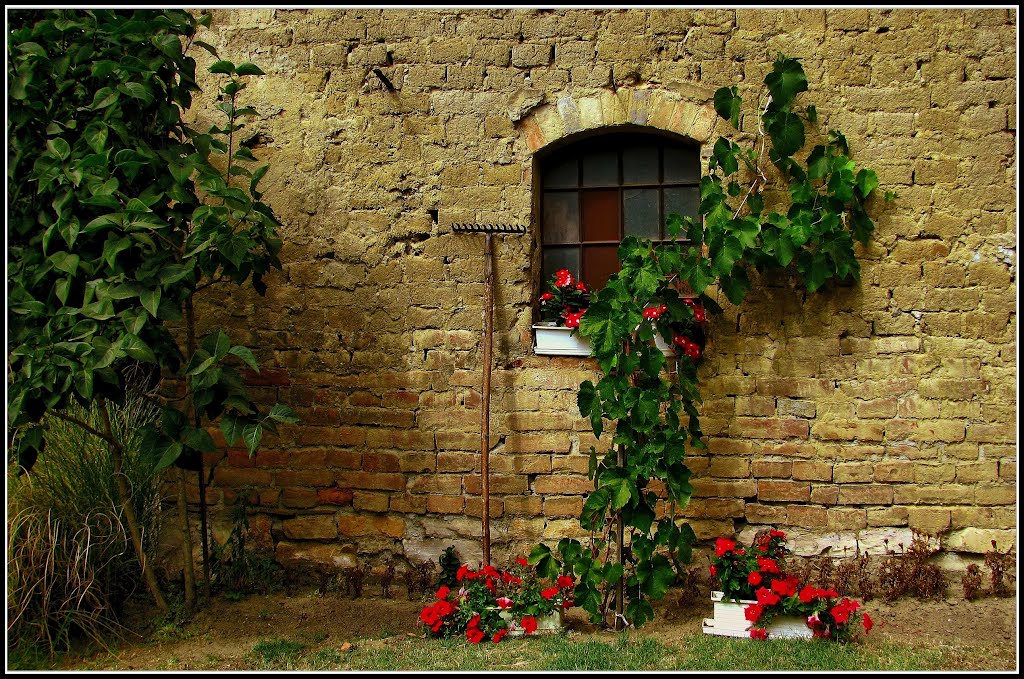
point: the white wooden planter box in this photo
(553, 340)
(730, 621)
(547, 624)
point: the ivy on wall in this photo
(637, 546)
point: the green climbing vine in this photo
(641, 481)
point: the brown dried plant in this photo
(386, 579)
(971, 581)
(1000, 566)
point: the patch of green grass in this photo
(31, 658)
(623, 654)
(324, 659)
(721, 653)
(278, 654)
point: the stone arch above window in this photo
(646, 107)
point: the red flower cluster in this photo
(486, 594)
(698, 310)
(688, 346)
(785, 587)
(760, 576)
(653, 313)
(841, 611)
(436, 615)
(566, 301)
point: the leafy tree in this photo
(119, 216)
(633, 555)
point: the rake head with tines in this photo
(489, 228)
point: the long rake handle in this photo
(485, 410)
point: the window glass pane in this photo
(561, 217)
(599, 263)
(556, 258)
(682, 200)
(640, 210)
(561, 176)
(640, 165)
(682, 164)
(601, 215)
(601, 169)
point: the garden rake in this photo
(485, 391)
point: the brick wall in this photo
(861, 412)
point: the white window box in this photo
(554, 340)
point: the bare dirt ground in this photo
(977, 635)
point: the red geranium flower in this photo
(753, 612)
(443, 592)
(474, 635)
(565, 581)
(499, 635)
(785, 587)
(546, 297)
(808, 594)
(754, 578)
(868, 623)
(582, 287)
(759, 634)
(766, 565)
(714, 571)
(549, 592)
(723, 546)
(568, 603)
(563, 278)
(504, 602)
(572, 319)
(776, 533)
(529, 624)
(522, 562)
(766, 597)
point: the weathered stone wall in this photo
(861, 412)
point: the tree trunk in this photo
(190, 338)
(186, 544)
(124, 496)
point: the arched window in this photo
(598, 190)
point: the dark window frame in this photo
(618, 142)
